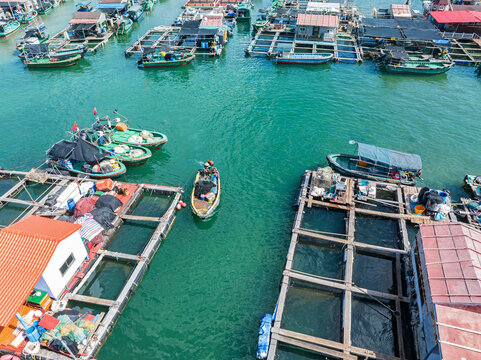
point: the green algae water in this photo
(263, 125)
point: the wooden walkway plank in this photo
(92, 300)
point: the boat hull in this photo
(10, 32)
(332, 159)
(111, 175)
(174, 63)
(53, 64)
(303, 60)
(201, 214)
(414, 71)
(153, 145)
(28, 19)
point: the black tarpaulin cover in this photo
(85, 151)
(62, 149)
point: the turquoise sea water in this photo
(210, 283)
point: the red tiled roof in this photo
(456, 17)
(25, 250)
(318, 20)
(452, 261)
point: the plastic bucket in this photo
(32, 334)
(414, 199)
(419, 209)
(444, 196)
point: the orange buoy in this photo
(211, 163)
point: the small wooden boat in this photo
(473, 186)
(82, 158)
(127, 154)
(8, 27)
(135, 13)
(244, 11)
(379, 164)
(122, 133)
(45, 8)
(34, 34)
(205, 196)
(396, 60)
(84, 7)
(304, 59)
(123, 25)
(165, 57)
(28, 17)
(51, 61)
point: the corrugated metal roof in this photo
(25, 250)
(456, 17)
(400, 11)
(318, 20)
(86, 17)
(452, 261)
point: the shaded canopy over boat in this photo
(389, 158)
(79, 150)
(398, 52)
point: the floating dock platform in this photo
(389, 206)
(138, 261)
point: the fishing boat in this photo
(244, 11)
(28, 17)
(123, 25)
(34, 34)
(82, 158)
(83, 7)
(261, 21)
(472, 184)
(127, 154)
(304, 59)
(8, 27)
(205, 196)
(164, 57)
(120, 132)
(40, 56)
(378, 164)
(62, 51)
(135, 13)
(147, 5)
(45, 8)
(52, 62)
(397, 60)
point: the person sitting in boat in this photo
(104, 139)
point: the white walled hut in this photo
(313, 27)
(47, 252)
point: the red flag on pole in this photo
(74, 127)
(95, 111)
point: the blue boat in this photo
(264, 336)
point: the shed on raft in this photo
(49, 249)
(316, 27)
(446, 295)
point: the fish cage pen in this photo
(343, 289)
(148, 213)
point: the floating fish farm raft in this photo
(147, 210)
(366, 233)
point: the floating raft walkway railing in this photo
(154, 38)
(140, 262)
(93, 43)
(399, 211)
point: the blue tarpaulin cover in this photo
(389, 158)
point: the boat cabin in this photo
(445, 291)
(87, 23)
(316, 27)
